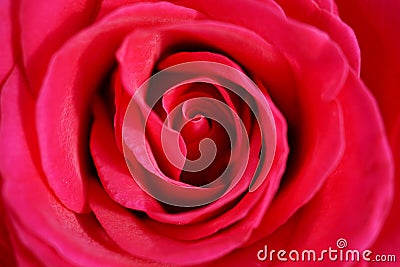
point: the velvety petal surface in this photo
(376, 28)
(44, 27)
(7, 39)
(37, 218)
(331, 213)
(69, 86)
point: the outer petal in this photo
(74, 75)
(43, 231)
(6, 39)
(388, 242)
(121, 187)
(318, 66)
(328, 5)
(205, 34)
(6, 251)
(322, 18)
(376, 28)
(355, 199)
(45, 26)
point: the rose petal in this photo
(109, 6)
(389, 239)
(127, 62)
(45, 27)
(122, 188)
(330, 214)
(6, 250)
(133, 234)
(68, 89)
(209, 228)
(328, 5)
(231, 99)
(24, 240)
(309, 106)
(308, 12)
(30, 203)
(136, 236)
(111, 166)
(23, 256)
(251, 202)
(376, 29)
(315, 128)
(165, 38)
(7, 39)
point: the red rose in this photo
(199, 133)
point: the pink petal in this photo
(354, 200)
(7, 39)
(376, 28)
(309, 106)
(35, 214)
(6, 250)
(328, 5)
(74, 74)
(45, 26)
(250, 203)
(308, 12)
(138, 237)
